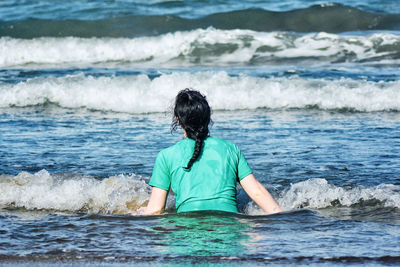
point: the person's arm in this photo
(259, 194)
(156, 203)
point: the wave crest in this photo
(140, 94)
(117, 194)
(318, 193)
(207, 47)
(123, 194)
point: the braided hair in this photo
(193, 114)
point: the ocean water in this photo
(309, 90)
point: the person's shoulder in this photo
(222, 142)
(173, 148)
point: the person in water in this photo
(202, 170)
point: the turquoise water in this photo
(86, 90)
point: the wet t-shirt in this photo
(211, 182)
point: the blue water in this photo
(86, 90)
(79, 9)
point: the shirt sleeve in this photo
(243, 167)
(160, 177)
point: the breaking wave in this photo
(202, 47)
(123, 194)
(142, 94)
(317, 193)
(43, 191)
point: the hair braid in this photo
(193, 114)
(196, 153)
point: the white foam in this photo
(140, 94)
(202, 46)
(118, 194)
(123, 194)
(318, 193)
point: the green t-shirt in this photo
(211, 182)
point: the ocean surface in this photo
(309, 90)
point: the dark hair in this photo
(193, 114)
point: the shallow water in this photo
(199, 238)
(340, 166)
(86, 90)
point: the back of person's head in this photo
(193, 114)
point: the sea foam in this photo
(318, 193)
(201, 47)
(142, 94)
(76, 193)
(123, 194)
